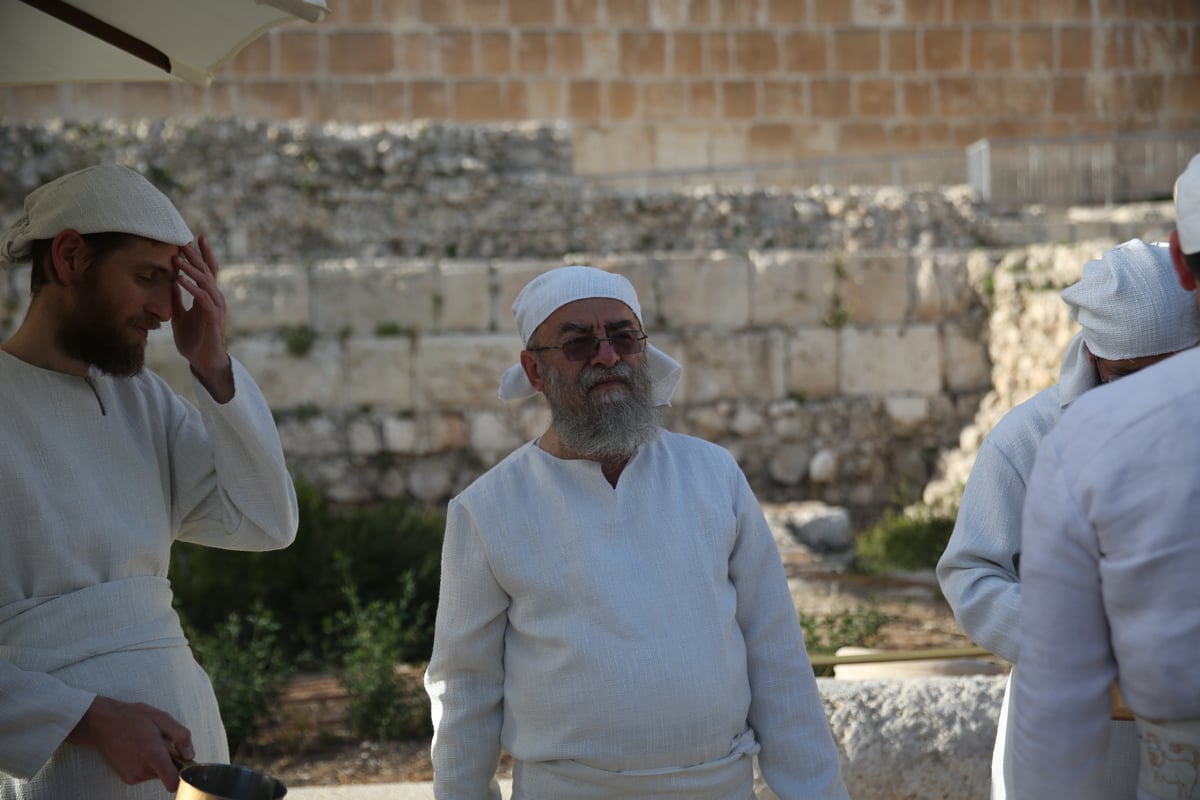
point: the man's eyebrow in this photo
(173, 271)
(582, 327)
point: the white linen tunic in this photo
(636, 641)
(1109, 566)
(98, 477)
(979, 576)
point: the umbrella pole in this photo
(103, 31)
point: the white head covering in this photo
(1130, 305)
(1187, 207)
(103, 199)
(552, 290)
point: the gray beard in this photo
(611, 426)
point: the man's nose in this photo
(160, 305)
(605, 354)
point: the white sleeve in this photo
(799, 760)
(1061, 705)
(977, 572)
(465, 676)
(37, 712)
(231, 487)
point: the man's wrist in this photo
(218, 381)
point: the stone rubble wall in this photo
(846, 345)
(847, 378)
(263, 191)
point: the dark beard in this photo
(91, 336)
(613, 425)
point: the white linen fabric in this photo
(1129, 304)
(1187, 207)
(101, 199)
(1108, 571)
(552, 290)
(637, 641)
(100, 476)
(978, 573)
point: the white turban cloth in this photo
(1130, 305)
(102, 199)
(552, 290)
(1187, 207)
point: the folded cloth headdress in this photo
(1187, 207)
(102, 199)
(552, 290)
(1130, 305)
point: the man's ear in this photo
(533, 370)
(1186, 279)
(68, 257)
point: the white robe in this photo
(978, 572)
(631, 642)
(1109, 566)
(97, 478)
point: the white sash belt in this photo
(730, 778)
(46, 634)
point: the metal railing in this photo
(937, 168)
(1009, 173)
(1006, 173)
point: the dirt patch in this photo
(309, 744)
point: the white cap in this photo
(1130, 305)
(1187, 207)
(552, 290)
(102, 199)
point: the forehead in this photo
(593, 313)
(139, 252)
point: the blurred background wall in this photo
(676, 84)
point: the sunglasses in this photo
(584, 348)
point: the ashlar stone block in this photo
(790, 288)
(812, 362)
(942, 284)
(738, 366)
(966, 361)
(310, 436)
(362, 296)
(680, 146)
(363, 437)
(874, 287)
(710, 292)
(891, 359)
(378, 372)
(261, 298)
(287, 381)
(463, 296)
(462, 372)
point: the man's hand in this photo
(132, 738)
(200, 330)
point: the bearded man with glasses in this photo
(613, 609)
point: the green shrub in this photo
(901, 541)
(854, 627)
(385, 552)
(244, 663)
(384, 704)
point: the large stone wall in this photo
(656, 84)
(842, 344)
(829, 376)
